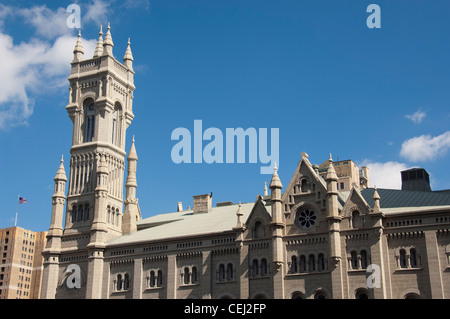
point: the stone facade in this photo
(308, 239)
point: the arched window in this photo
(230, 272)
(194, 275)
(354, 260)
(221, 272)
(160, 278)
(152, 279)
(321, 262)
(294, 264)
(186, 275)
(304, 186)
(362, 294)
(258, 231)
(364, 259)
(116, 124)
(302, 263)
(89, 120)
(119, 282)
(255, 268)
(412, 296)
(126, 282)
(311, 263)
(80, 213)
(355, 219)
(297, 295)
(74, 213)
(403, 263)
(86, 212)
(263, 267)
(413, 257)
(320, 294)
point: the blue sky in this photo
(312, 69)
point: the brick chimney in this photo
(202, 203)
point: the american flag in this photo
(22, 200)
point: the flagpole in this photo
(17, 210)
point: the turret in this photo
(128, 57)
(131, 213)
(108, 43)
(99, 48)
(78, 51)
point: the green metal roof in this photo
(390, 198)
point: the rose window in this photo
(306, 218)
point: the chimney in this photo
(180, 207)
(202, 203)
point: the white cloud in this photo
(417, 117)
(425, 147)
(48, 23)
(385, 175)
(97, 12)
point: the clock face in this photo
(306, 218)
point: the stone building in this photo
(305, 239)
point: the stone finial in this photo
(99, 48)
(78, 51)
(376, 201)
(128, 57)
(265, 189)
(108, 43)
(61, 173)
(275, 182)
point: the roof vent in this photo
(416, 179)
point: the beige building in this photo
(21, 263)
(303, 239)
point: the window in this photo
(263, 267)
(160, 279)
(126, 282)
(230, 272)
(186, 275)
(152, 279)
(119, 282)
(302, 263)
(294, 264)
(194, 275)
(320, 294)
(362, 294)
(403, 258)
(258, 231)
(311, 263)
(413, 257)
(354, 260)
(364, 259)
(89, 120)
(304, 186)
(321, 262)
(306, 217)
(221, 272)
(255, 268)
(116, 125)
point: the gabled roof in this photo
(186, 223)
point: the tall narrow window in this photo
(263, 267)
(194, 274)
(258, 231)
(160, 278)
(255, 268)
(126, 282)
(230, 272)
(221, 272)
(89, 120)
(363, 259)
(354, 260)
(403, 258)
(114, 126)
(311, 263)
(186, 275)
(152, 278)
(302, 263)
(413, 257)
(293, 264)
(321, 262)
(119, 282)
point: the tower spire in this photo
(99, 48)
(78, 51)
(108, 43)
(128, 57)
(131, 213)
